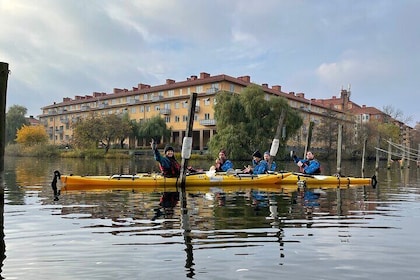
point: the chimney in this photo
(170, 81)
(300, 94)
(246, 79)
(292, 93)
(278, 88)
(117, 90)
(143, 86)
(204, 75)
(66, 99)
(265, 85)
(135, 89)
(193, 77)
(77, 97)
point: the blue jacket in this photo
(226, 166)
(309, 166)
(260, 167)
(272, 167)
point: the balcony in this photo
(157, 98)
(165, 111)
(208, 122)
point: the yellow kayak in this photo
(317, 180)
(146, 180)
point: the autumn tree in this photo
(31, 135)
(15, 119)
(247, 121)
(104, 130)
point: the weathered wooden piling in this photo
(309, 138)
(4, 74)
(339, 147)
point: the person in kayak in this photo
(168, 163)
(259, 165)
(222, 164)
(309, 165)
(273, 165)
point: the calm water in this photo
(352, 233)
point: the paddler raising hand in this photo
(168, 163)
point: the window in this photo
(206, 116)
(184, 118)
(141, 109)
(148, 108)
(167, 119)
(133, 110)
(157, 107)
(176, 118)
(232, 88)
(171, 93)
(176, 105)
(207, 101)
(199, 89)
(167, 106)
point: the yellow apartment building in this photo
(170, 101)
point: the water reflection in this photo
(218, 228)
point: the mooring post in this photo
(377, 154)
(364, 156)
(308, 138)
(186, 153)
(389, 153)
(339, 146)
(4, 74)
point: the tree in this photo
(31, 135)
(396, 114)
(154, 128)
(327, 131)
(246, 122)
(102, 130)
(15, 119)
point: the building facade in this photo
(170, 101)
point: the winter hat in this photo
(168, 148)
(257, 154)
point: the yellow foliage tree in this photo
(31, 135)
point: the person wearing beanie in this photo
(168, 163)
(271, 166)
(259, 165)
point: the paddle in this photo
(276, 141)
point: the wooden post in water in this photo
(308, 138)
(377, 154)
(4, 74)
(389, 161)
(188, 134)
(339, 146)
(186, 153)
(364, 156)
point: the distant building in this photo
(32, 121)
(169, 100)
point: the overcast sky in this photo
(60, 48)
